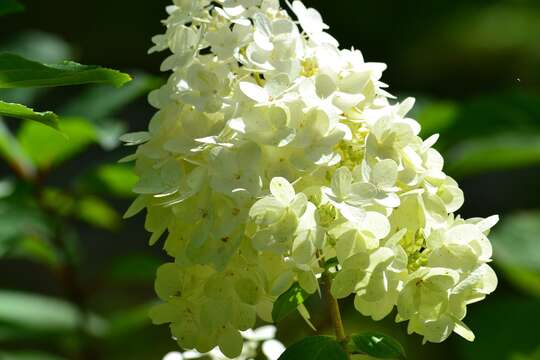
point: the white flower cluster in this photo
(274, 151)
(260, 339)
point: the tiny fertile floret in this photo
(273, 151)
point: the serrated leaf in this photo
(10, 7)
(315, 348)
(22, 112)
(38, 46)
(16, 72)
(378, 345)
(288, 302)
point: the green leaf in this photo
(12, 152)
(377, 345)
(533, 356)
(101, 102)
(515, 241)
(526, 280)
(47, 147)
(10, 7)
(7, 186)
(37, 249)
(435, 116)
(497, 152)
(118, 178)
(504, 325)
(288, 302)
(19, 218)
(22, 112)
(39, 46)
(37, 312)
(128, 322)
(516, 248)
(97, 212)
(315, 348)
(481, 117)
(133, 269)
(112, 179)
(16, 71)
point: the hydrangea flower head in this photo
(273, 151)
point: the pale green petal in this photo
(187, 334)
(248, 291)
(361, 192)
(168, 281)
(282, 283)
(303, 248)
(341, 183)
(282, 190)
(230, 342)
(244, 316)
(345, 282)
(377, 224)
(165, 313)
(384, 173)
(308, 281)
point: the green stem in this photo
(335, 313)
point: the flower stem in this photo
(335, 312)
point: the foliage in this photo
(316, 348)
(378, 345)
(10, 6)
(23, 112)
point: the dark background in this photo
(474, 67)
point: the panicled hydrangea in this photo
(273, 151)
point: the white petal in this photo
(462, 330)
(254, 92)
(174, 355)
(273, 349)
(266, 332)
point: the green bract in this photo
(273, 151)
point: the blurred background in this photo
(76, 280)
